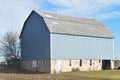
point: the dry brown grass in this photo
(8, 73)
(14, 74)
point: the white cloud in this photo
(107, 15)
(14, 12)
(85, 8)
(85, 5)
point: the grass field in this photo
(91, 75)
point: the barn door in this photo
(57, 66)
(106, 64)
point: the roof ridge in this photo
(74, 21)
(62, 15)
(51, 14)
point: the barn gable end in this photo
(35, 39)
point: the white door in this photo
(34, 65)
(57, 66)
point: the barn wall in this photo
(79, 47)
(35, 39)
(75, 65)
(41, 66)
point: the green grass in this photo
(91, 75)
(7, 73)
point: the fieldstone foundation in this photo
(75, 64)
(36, 66)
(57, 66)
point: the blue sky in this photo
(14, 12)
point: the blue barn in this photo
(56, 43)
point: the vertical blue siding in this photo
(79, 47)
(35, 40)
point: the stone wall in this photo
(43, 66)
(112, 64)
(75, 64)
(37, 66)
(52, 66)
(26, 65)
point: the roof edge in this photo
(38, 12)
(82, 35)
(25, 22)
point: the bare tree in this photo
(10, 45)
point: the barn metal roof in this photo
(61, 24)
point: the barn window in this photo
(70, 62)
(80, 62)
(90, 62)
